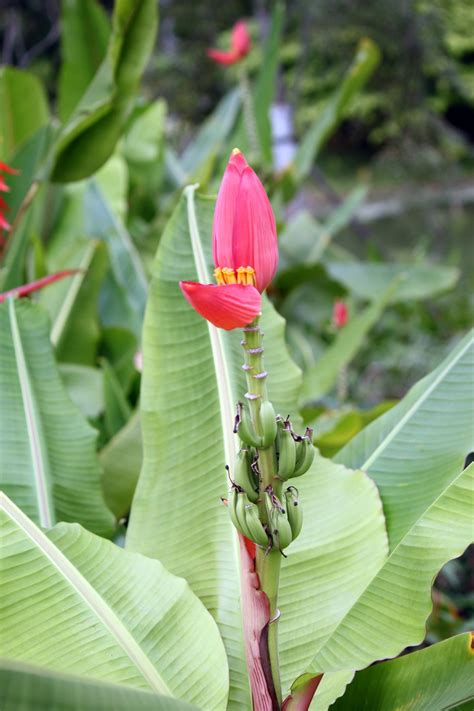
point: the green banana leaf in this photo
(432, 679)
(26, 160)
(365, 61)
(191, 382)
(85, 387)
(85, 31)
(24, 109)
(92, 131)
(121, 459)
(76, 603)
(266, 84)
(48, 466)
(209, 140)
(342, 545)
(72, 305)
(368, 280)
(415, 460)
(321, 377)
(27, 688)
(123, 294)
(417, 448)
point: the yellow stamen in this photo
(219, 276)
(242, 275)
(229, 275)
(235, 151)
(246, 275)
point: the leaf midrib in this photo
(90, 596)
(413, 409)
(39, 461)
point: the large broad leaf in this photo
(48, 465)
(191, 382)
(414, 452)
(123, 295)
(76, 603)
(85, 31)
(90, 135)
(322, 376)
(341, 547)
(73, 305)
(304, 240)
(417, 449)
(24, 109)
(369, 280)
(28, 688)
(432, 679)
(121, 460)
(365, 61)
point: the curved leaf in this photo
(417, 448)
(415, 453)
(24, 109)
(90, 135)
(48, 465)
(121, 459)
(191, 382)
(341, 547)
(432, 679)
(369, 280)
(27, 688)
(85, 32)
(76, 603)
(320, 377)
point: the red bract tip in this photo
(240, 44)
(340, 314)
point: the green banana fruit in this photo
(304, 453)
(242, 501)
(294, 511)
(286, 449)
(279, 525)
(269, 425)
(244, 476)
(232, 507)
(257, 533)
(244, 428)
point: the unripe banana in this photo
(305, 453)
(279, 525)
(232, 506)
(241, 513)
(257, 533)
(281, 529)
(294, 511)
(244, 428)
(243, 476)
(286, 449)
(269, 425)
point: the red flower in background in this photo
(245, 250)
(4, 168)
(340, 314)
(240, 44)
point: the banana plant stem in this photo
(268, 563)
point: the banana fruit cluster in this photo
(284, 522)
(294, 453)
(275, 524)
